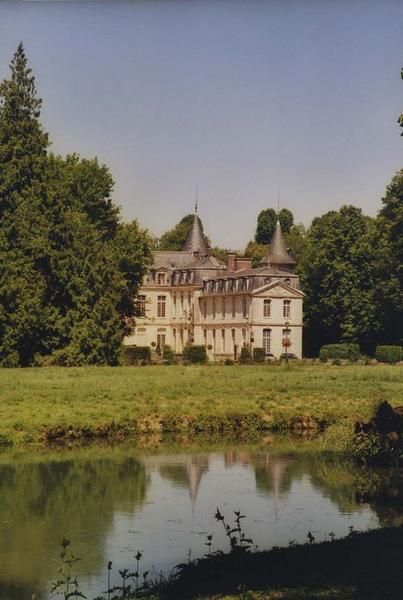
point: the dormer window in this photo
(287, 281)
(160, 278)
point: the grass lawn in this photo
(36, 404)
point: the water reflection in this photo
(111, 503)
(42, 502)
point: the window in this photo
(141, 330)
(223, 339)
(233, 307)
(204, 308)
(244, 308)
(287, 309)
(233, 337)
(286, 338)
(161, 341)
(287, 281)
(205, 336)
(182, 304)
(223, 308)
(266, 340)
(174, 337)
(266, 307)
(214, 340)
(141, 306)
(161, 306)
(244, 337)
(160, 278)
(174, 301)
(214, 308)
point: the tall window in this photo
(174, 301)
(174, 336)
(266, 307)
(214, 340)
(160, 278)
(286, 309)
(181, 304)
(161, 341)
(244, 308)
(223, 339)
(214, 308)
(243, 337)
(233, 307)
(205, 336)
(161, 306)
(223, 308)
(141, 306)
(189, 300)
(266, 340)
(204, 307)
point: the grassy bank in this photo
(365, 566)
(37, 405)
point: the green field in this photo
(125, 401)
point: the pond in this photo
(111, 502)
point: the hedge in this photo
(136, 354)
(244, 357)
(168, 354)
(195, 354)
(388, 354)
(259, 355)
(340, 351)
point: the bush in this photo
(195, 354)
(168, 355)
(228, 362)
(244, 357)
(388, 354)
(339, 351)
(259, 355)
(133, 355)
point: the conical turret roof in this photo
(195, 241)
(278, 253)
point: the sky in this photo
(246, 99)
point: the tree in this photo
(338, 276)
(388, 241)
(69, 269)
(400, 119)
(266, 223)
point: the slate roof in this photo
(195, 241)
(278, 253)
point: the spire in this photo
(278, 255)
(195, 241)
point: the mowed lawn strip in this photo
(34, 399)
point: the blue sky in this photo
(243, 97)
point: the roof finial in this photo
(196, 199)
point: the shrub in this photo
(168, 355)
(133, 355)
(388, 354)
(195, 354)
(259, 355)
(339, 351)
(244, 357)
(228, 362)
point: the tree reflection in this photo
(42, 502)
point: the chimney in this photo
(231, 258)
(243, 264)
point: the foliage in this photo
(69, 269)
(259, 355)
(388, 354)
(266, 223)
(168, 355)
(133, 355)
(339, 351)
(339, 278)
(244, 357)
(400, 119)
(195, 354)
